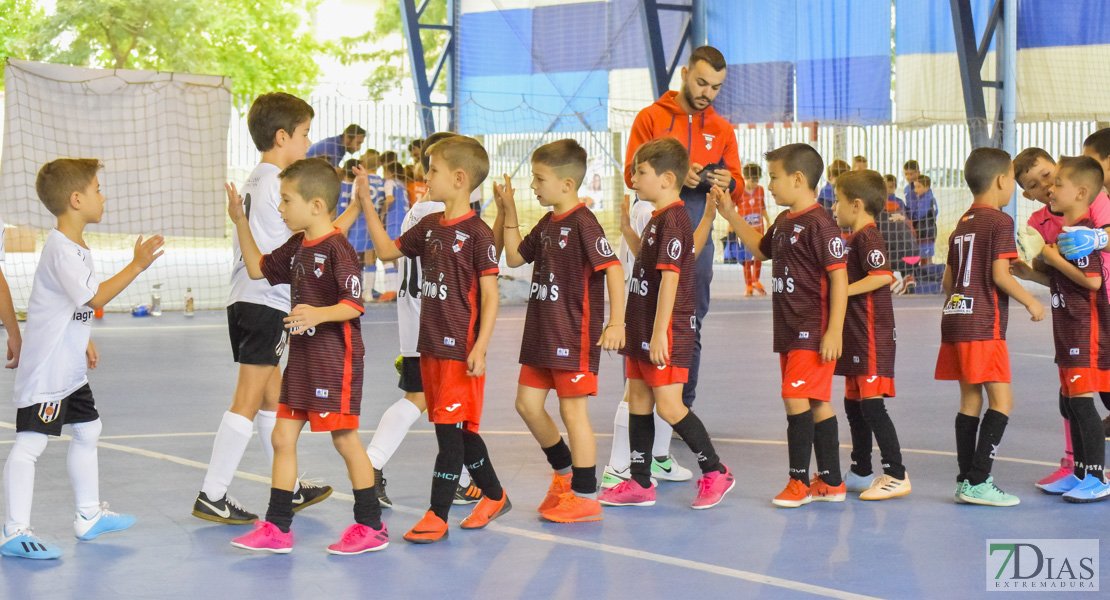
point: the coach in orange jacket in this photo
(687, 115)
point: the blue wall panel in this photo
(495, 43)
(1046, 23)
(758, 93)
(847, 90)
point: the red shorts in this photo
(1075, 381)
(858, 387)
(567, 384)
(329, 421)
(452, 395)
(805, 376)
(985, 361)
(653, 375)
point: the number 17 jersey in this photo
(977, 310)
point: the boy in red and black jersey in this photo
(809, 296)
(322, 385)
(1081, 329)
(978, 285)
(867, 363)
(660, 327)
(563, 330)
(457, 312)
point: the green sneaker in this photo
(668, 470)
(612, 477)
(987, 494)
(960, 487)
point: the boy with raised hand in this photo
(278, 125)
(867, 363)
(661, 325)
(52, 384)
(322, 385)
(979, 285)
(457, 312)
(1081, 328)
(809, 296)
(573, 265)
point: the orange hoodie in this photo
(707, 136)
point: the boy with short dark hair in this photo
(660, 327)
(457, 312)
(979, 285)
(573, 266)
(867, 363)
(806, 248)
(323, 380)
(1081, 328)
(52, 384)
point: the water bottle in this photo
(189, 302)
(156, 300)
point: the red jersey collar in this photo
(445, 223)
(661, 210)
(790, 215)
(555, 217)
(307, 242)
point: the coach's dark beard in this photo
(690, 99)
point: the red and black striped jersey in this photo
(324, 373)
(977, 310)
(566, 302)
(453, 256)
(869, 321)
(804, 247)
(666, 244)
(1080, 316)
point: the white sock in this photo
(265, 420)
(392, 428)
(620, 457)
(19, 478)
(84, 474)
(464, 478)
(227, 450)
(662, 444)
(369, 274)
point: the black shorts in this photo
(257, 332)
(48, 417)
(411, 381)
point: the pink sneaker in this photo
(265, 537)
(628, 493)
(359, 538)
(1067, 467)
(712, 487)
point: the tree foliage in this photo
(18, 27)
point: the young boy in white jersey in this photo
(278, 124)
(52, 386)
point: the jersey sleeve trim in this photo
(606, 265)
(1008, 255)
(840, 265)
(493, 271)
(880, 272)
(1093, 274)
(360, 308)
(668, 267)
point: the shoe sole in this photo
(887, 497)
(705, 506)
(424, 540)
(644, 503)
(386, 503)
(216, 519)
(271, 550)
(86, 537)
(316, 500)
(831, 498)
(458, 502)
(374, 549)
(504, 509)
(1051, 492)
(791, 503)
(28, 557)
(981, 502)
(578, 520)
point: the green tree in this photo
(391, 63)
(21, 21)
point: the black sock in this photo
(368, 511)
(448, 466)
(1089, 425)
(558, 456)
(1075, 432)
(481, 469)
(967, 428)
(874, 410)
(583, 481)
(991, 429)
(692, 431)
(861, 437)
(799, 442)
(641, 436)
(826, 449)
(280, 511)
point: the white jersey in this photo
(408, 297)
(52, 362)
(261, 196)
(640, 215)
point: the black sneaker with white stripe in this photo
(225, 510)
(379, 489)
(310, 492)
(467, 495)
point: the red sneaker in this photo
(574, 509)
(794, 495)
(486, 511)
(428, 530)
(560, 484)
(820, 491)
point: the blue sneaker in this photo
(857, 483)
(24, 544)
(1061, 486)
(105, 521)
(1092, 489)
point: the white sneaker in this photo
(669, 470)
(105, 521)
(612, 477)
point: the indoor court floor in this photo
(164, 382)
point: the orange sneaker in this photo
(574, 509)
(388, 297)
(759, 289)
(820, 491)
(795, 495)
(486, 511)
(428, 530)
(748, 292)
(560, 484)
